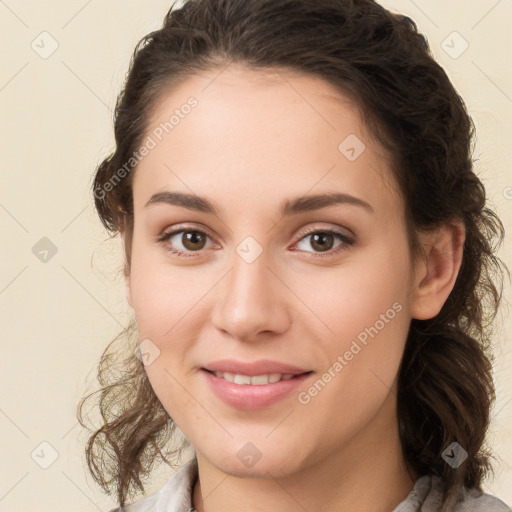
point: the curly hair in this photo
(379, 60)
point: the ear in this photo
(126, 269)
(436, 274)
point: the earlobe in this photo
(437, 274)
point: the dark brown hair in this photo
(378, 59)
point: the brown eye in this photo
(193, 240)
(184, 242)
(322, 241)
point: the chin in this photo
(252, 460)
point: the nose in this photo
(251, 301)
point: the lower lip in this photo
(252, 396)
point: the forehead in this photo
(261, 134)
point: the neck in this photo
(367, 475)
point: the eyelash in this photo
(347, 241)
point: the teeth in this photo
(241, 379)
(257, 380)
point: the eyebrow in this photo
(288, 207)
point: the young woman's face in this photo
(262, 286)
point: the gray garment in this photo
(176, 496)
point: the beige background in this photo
(58, 315)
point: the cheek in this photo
(352, 298)
(366, 310)
(167, 303)
(163, 293)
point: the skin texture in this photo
(254, 140)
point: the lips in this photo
(261, 367)
(253, 385)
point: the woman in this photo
(309, 258)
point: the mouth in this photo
(255, 391)
(255, 380)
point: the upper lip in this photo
(252, 368)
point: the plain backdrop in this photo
(61, 294)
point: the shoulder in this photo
(476, 501)
(174, 496)
(427, 497)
